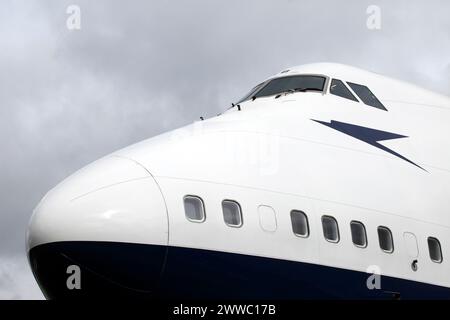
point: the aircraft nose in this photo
(101, 232)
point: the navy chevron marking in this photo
(368, 135)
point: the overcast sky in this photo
(139, 68)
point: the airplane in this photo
(325, 181)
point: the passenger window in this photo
(330, 229)
(366, 96)
(338, 88)
(299, 222)
(232, 214)
(194, 208)
(359, 236)
(434, 247)
(385, 239)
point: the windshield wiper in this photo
(296, 90)
(283, 92)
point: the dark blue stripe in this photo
(147, 271)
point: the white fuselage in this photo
(273, 156)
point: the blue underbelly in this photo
(158, 272)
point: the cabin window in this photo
(434, 247)
(366, 96)
(385, 239)
(194, 208)
(338, 88)
(299, 222)
(330, 229)
(359, 236)
(232, 213)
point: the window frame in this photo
(391, 236)
(203, 208)
(365, 234)
(337, 229)
(294, 211)
(240, 213)
(440, 249)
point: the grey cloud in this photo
(139, 68)
(16, 280)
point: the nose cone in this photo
(101, 232)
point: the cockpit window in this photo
(366, 95)
(285, 84)
(338, 88)
(251, 93)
